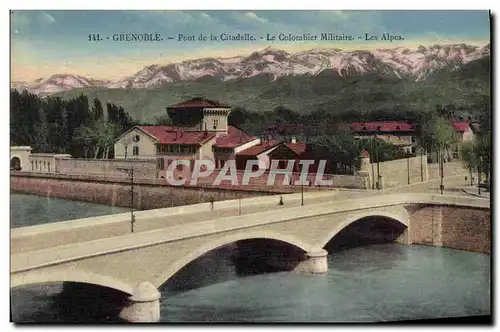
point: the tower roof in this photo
(199, 103)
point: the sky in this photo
(44, 43)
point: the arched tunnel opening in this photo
(15, 164)
(367, 231)
(235, 260)
(66, 302)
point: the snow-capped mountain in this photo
(59, 83)
(417, 63)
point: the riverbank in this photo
(148, 193)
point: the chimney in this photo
(293, 140)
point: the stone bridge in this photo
(103, 252)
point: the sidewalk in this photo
(472, 190)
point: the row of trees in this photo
(54, 125)
(476, 155)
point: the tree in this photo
(483, 151)
(339, 150)
(87, 138)
(469, 156)
(163, 120)
(237, 116)
(436, 133)
(106, 133)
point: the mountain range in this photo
(413, 64)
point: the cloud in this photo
(338, 14)
(19, 21)
(206, 16)
(253, 16)
(47, 18)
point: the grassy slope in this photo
(368, 93)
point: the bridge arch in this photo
(69, 275)
(15, 163)
(398, 214)
(225, 240)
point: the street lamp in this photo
(421, 164)
(441, 187)
(479, 175)
(130, 173)
(378, 161)
(302, 193)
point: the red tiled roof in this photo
(233, 138)
(175, 135)
(258, 149)
(299, 148)
(391, 126)
(364, 153)
(461, 126)
(198, 103)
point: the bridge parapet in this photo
(81, 230)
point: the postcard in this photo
(250, 166)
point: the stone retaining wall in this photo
(148, 193)
(463, 228)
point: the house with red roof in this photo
(199, 131)
(269, 150)
(465, 130)
(404, 133)
(400, 133)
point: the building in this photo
(399, 133)
(199, 131)
(465, 130)
(270, 150)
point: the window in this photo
(222, 162)
(413, 149)
(413, 139)
(161, 163)
(137, 138)
(126, 151)
(136, 150)
(32, 168)
(216, 122)
(48, 165)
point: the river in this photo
(373, 283)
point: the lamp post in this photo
(378, 161)
(302, 193)
(441, 160)
(421, 164)
(130, 173)
(479, 164)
